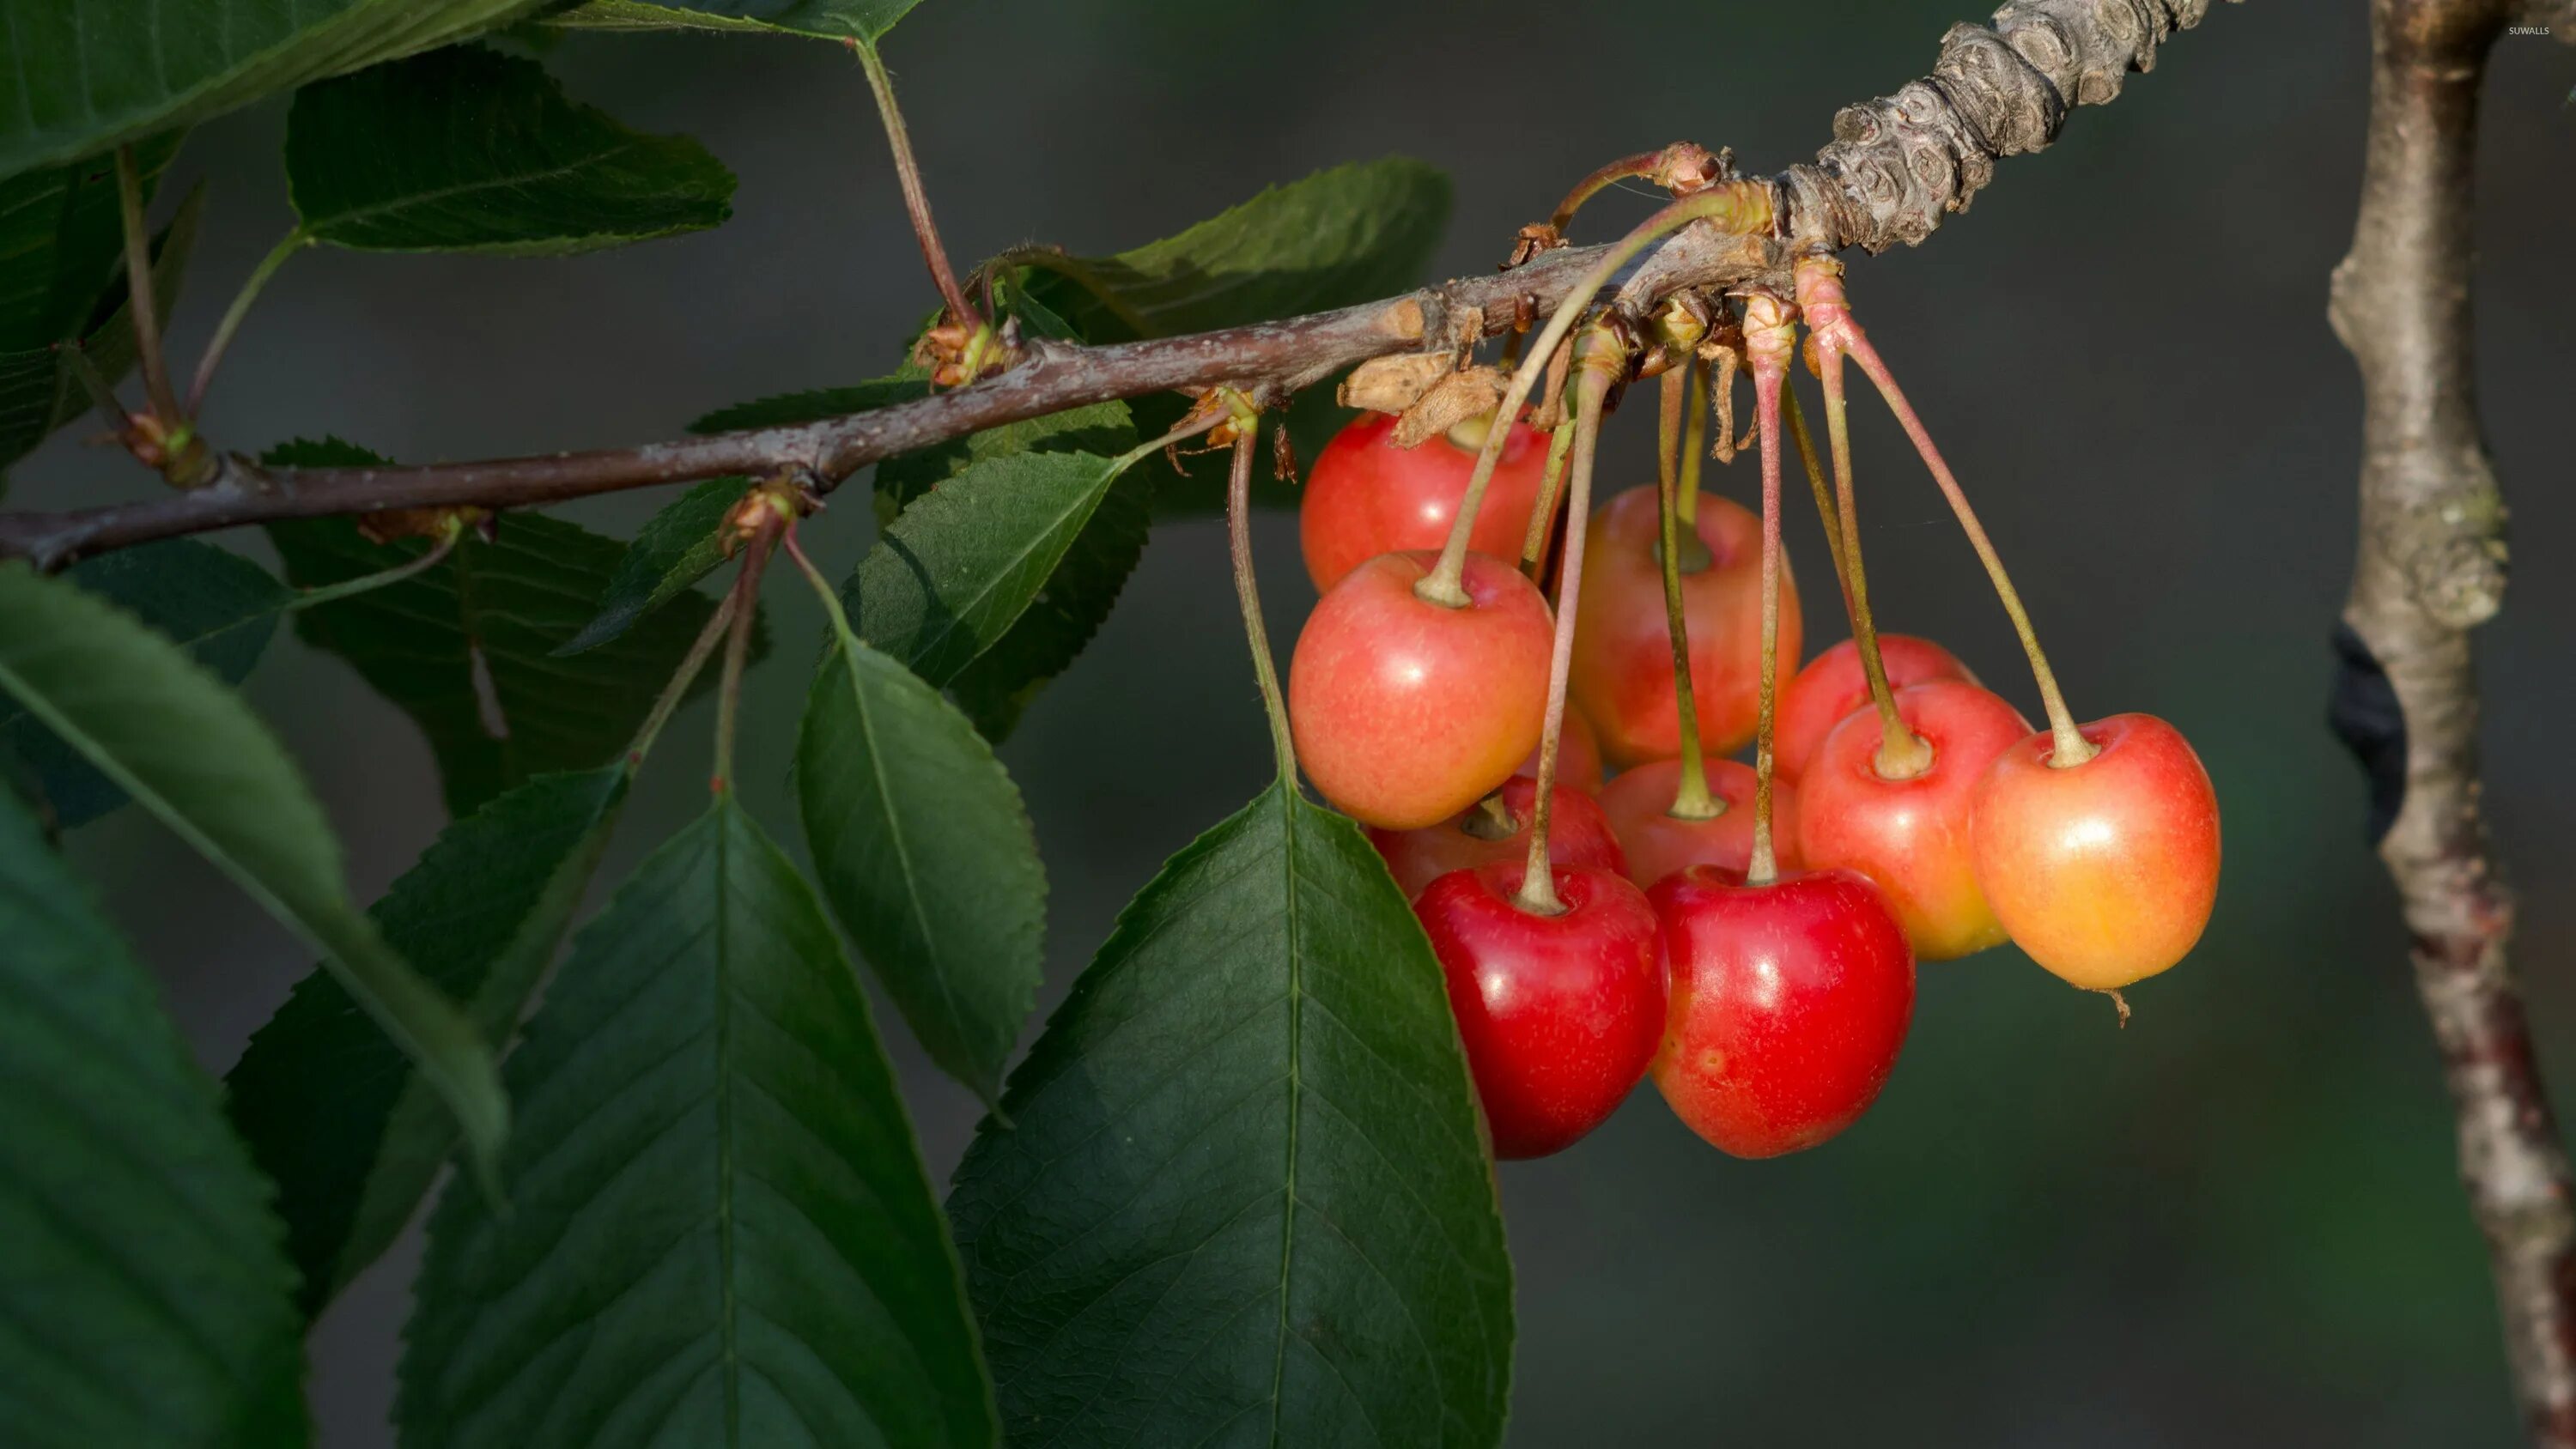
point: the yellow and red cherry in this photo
(1908, 831)
(1578, 755)
(1790, 1002)
(1405, 711)
(1832, 686)
(1497, 828)
(1623, 653)
(2105, 871)
(1365, 496)
(1639, 806)
(1560, 1014)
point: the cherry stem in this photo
(1796, 418)
(916, 201)
(1770, 331)
(295, 241)
(1691, 797)
(138, 281)
(1902, 754)
(1537, 894)
(1737, 206)
(2070, 748)
(368, 583)
(1694, 438)
(1543, 513)
(701, 650)
(1247, 594)
(746, 598)
(1626, 168)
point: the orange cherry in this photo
(1623, 653)
(2105, 872)
(1639, 804)
(1832, 686)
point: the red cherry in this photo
(2105, 872)
(1623, 652)
(1790, 1003)
(1559, 1014)
(1365, 496)
(1576, 835)
(1578, 755)
(1639, 803)
(1406, 712)
(1910, 836)
(1832, 686)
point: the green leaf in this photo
(925, 853)
(62, 243)
(1339, 237)
(469, 150)
(720, 1230)
(467, 648)
(1060, 620)
(150, 1301)
(349, 1132)
(861, 20)
(39, 391)
(84, 75)
(218, 606)
(188, 750)
(1244, 1196)
(676, 547)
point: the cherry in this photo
(2104, 871)
(1909, 834)
(1365, 496)
(1578, 756)
(1831, 686)
(1790, 1002)
(1623, 659)
(1639, 805)
(1497, 828)
(1560, 1013)
(1406, 712)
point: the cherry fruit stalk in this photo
(1560, 1014)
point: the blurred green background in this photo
(2236, 1222)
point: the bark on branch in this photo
(2431, 567)
(1896, 166)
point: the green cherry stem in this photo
(916, 201)
(1691, 797)
(1247, 596)
(1737, 206)
(1695, 435)
(1770, 331)
(1902, 754)
(1796, 418)
(138, 280)
(1542, 522)
(295, 241)
(2069, 747)
(692, 663)
(1537, 894)
(368, 583)
(746, 597)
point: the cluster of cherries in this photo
(1747, 933)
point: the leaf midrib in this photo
(1296, 1102)
(322, 228)
(937, 633)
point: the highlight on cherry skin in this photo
(1497, 828)
(2106, 871)
(1365, 496)
(1790, 1002)
(1560, 1014)
(1639, 803)
(1623, 653)
(1831, 686)
(1406, 712)
(1910, 835)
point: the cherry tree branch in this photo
(1897, 165)
(2431, 568)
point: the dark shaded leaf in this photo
(150, 1298)
(1244, 1195)
(926, 854)
(84, 75)
(469, 150)
(720, 1230)
(338, 1118)
(188, 750)
(862, 20)
(468, 648)
(676, 547)
(1061, 618)
(62, 243)
(218, 606)
(39, 391)
(788, 409)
